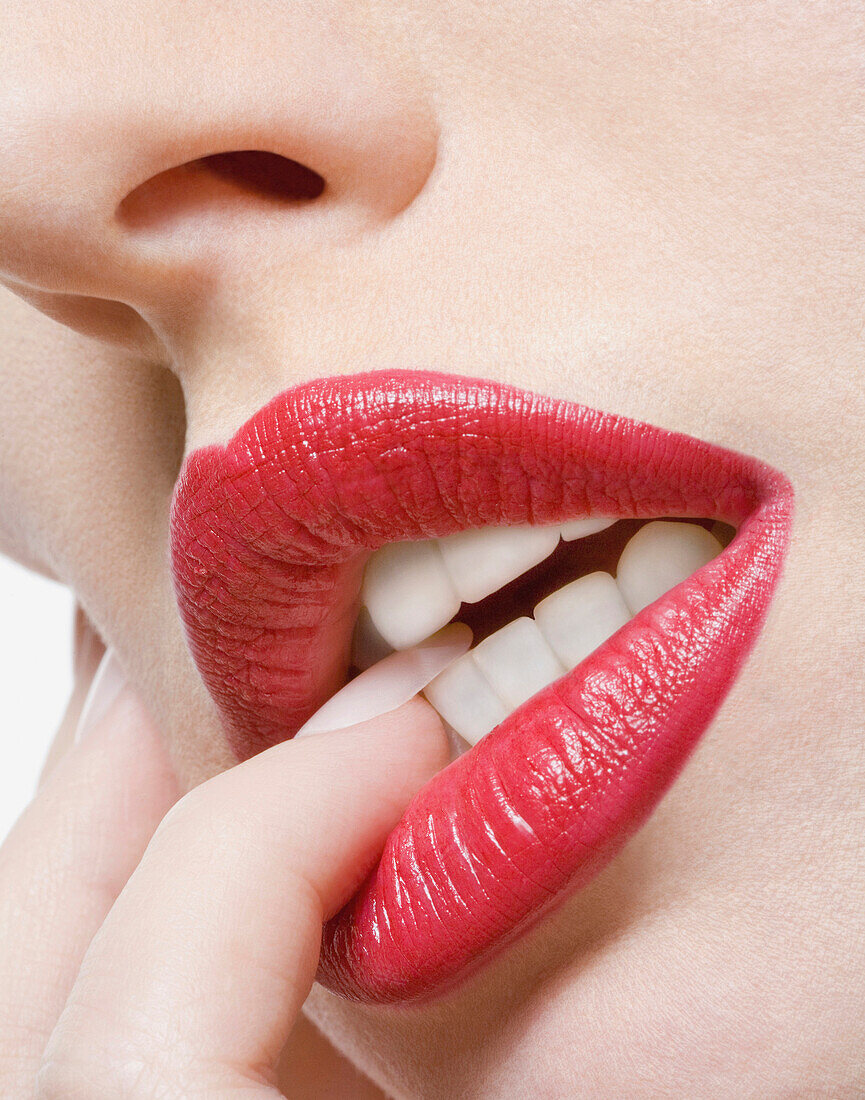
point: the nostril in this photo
(266, 174)
(250, 175)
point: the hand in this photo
(151, 946)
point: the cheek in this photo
(90, 446)
(91, 440)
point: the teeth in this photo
(517, 662)
(483, 561)
(582, 528)
(576, 619)
(660, 556)
(480, 690)
(408, 592)
(465, 700)
(412, 589)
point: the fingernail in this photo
(391, 682)
(107, 684)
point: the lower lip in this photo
(269, 537)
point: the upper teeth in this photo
(658, 557)
(411, 589)
(408, 592)
(480, 562)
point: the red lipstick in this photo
(270, 534)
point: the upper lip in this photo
(269, 536)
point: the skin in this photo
(109, 864)
(654, 209)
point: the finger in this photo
(198, 973)
(61, 868)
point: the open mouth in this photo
(610, 603)
(538, 601)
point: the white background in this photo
(35, 679)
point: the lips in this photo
(270, 535)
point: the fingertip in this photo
(417, 715)
(412, 731)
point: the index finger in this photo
(198, 973)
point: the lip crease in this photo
(269, 537)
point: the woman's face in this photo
(652, 209)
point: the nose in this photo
(144, 161)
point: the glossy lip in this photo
(269, 537)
